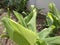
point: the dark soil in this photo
(40, 22)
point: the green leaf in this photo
(56, 21)
(54, 40)
(18, 33)
(52, 20)
(45, 32)
(8, 13)
(41, 42)
(54, 10)
(53, 16)
(49, 19)
(20, 18)
(32, 23)
(31, 19)
(28, 17)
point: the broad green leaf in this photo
(32, 23)
(20, 18)
(55, 40)
(45, 32)
(18, 33)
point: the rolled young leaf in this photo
(28, 17)
(31, 19)
(32, 23)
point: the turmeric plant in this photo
(24, 31)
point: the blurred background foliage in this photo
(17, 5)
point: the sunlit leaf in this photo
(18, 33)
(32, 22)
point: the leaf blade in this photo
(19, 33)
(20, 18)
(45, 32)
(55, 40)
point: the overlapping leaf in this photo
(18, 33)
(31, 19)
(54, 14)
(32, 23)
(20, 18)
(45, 32)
